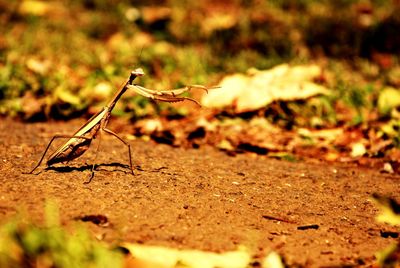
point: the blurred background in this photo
(64, 59)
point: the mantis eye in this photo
(138, 72)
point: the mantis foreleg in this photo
(166, 95)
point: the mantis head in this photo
(137, 72)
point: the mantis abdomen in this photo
(75, 146)
(72, 151)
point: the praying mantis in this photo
(78, 143)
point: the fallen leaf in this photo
(260, 88)
(101, 91)
(51, 9)
(34, 7)
(331, 156)
(32, 106)
(272, 260)
(387, 167)
(67, 96)
(389, 210)
(219, 21)
(358, 149)
(389, 98)
(163, 257)
(148, 126)
(225, 145)
(132, 14)
(389, 257)
(324, 138)
(394, 76)
(37, 66)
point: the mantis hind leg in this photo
(124, 142)
(48, 146)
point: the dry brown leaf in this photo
(31, 105)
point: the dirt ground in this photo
(314, 214)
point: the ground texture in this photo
(314, 214)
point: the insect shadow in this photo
(68, 169)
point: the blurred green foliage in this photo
(389, 213)
(25, 244)
(54, 53)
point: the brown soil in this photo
(314, 214)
